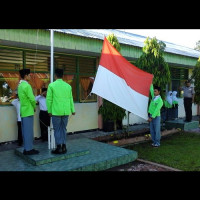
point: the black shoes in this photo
(31, 152)
(20, 143)
(187, 120)
(59, 149)
(64, 149)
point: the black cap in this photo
(188, 81)
(157, 88)
(59, 72)
(44, 89)
(24, 72)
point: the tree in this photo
(196, 77)
(197, 46)
(152, 61)
(110, 111)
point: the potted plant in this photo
(111, 113)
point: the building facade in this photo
(77, 51)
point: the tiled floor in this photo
(45, 156)
(101, 156)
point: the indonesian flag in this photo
(122, 83)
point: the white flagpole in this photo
(52, 41)
(50, 132)
(49, 139)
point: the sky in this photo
(183, 37)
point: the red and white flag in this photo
(122, 83)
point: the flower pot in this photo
(108, 126)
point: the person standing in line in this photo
(60, 105)
(16, 103)
(168, 105)
(175, 105)
(43, 116)
(188, 94)
(27, 110)
(154, 115)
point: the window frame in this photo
(77, 74)
(182, 78)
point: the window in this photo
(79, 71)
(87, 69)
(37, 61)
(11, 60)
(86, 84)
(178, 77)
(68, 64)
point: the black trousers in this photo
(188, 108)
(20, 140)
(44, 123)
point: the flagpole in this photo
(128, 123)
(51, 143)
(52, 41)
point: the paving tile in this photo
(179, 123)
(100, 156)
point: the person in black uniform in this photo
(188, 94)
(43, 115)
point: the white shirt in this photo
(16, 103)
(156, 97)
(42, 102)
(22, 81)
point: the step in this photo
(45, 156)
(179, 123)
(97, 156)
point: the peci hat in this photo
(59, 72)
(24, 72)
(188, 81)
(44, 89)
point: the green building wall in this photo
(79, 45)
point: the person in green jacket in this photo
(27, 111)
(60, 105)
(154, 115)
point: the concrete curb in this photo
(159, 165)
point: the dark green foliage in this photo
(197, 46)
(114, 41)
(196, 77)
(152, 61)
(109, 110)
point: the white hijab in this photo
(169, 97)
(174, 98)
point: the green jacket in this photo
(27, 99)
(167, 104)
(59, 98)
(155, 105)
(174, 102)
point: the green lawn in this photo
(180, 150)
